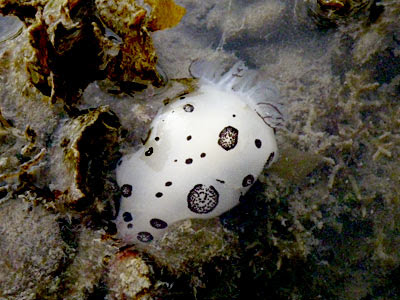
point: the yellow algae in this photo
(165, 14)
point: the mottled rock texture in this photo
(31, 249)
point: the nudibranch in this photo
(204, 151)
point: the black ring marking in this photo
(202, 199)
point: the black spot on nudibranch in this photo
(188, 161)
(158, 224)
(189, 137)
(159, 195)
(202, 155)
(157, 138)
(168, 183)
(183, 97)
(270, 159)
(220, 181)
(127, 216)
(188, 107)
(228, 138)
(202, 199)
(130, 226)
(258, 143)
(119, 162)
(248, 180)
(126, 190)
(149, 152)
(234, 115)
(144, 237)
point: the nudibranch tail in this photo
(259, 93)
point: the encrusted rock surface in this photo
(31, 249)
(87, 267)
(128, 277)
(20, 101)
(85, 148)
(207, 239)
(20, 154)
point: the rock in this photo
(86, 272)
(20, 155)
(21, 103)
(71, 46)
(85, 149)
(128, 277)
(190, 244)
(32, 252)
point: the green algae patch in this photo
(294, 165)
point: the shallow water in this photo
(323, 221)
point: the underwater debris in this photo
(72, 47)
(66, 52)
(87, 147)
(19, 153)
(133, 22)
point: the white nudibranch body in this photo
(204, 152)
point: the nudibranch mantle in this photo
(204, 152)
